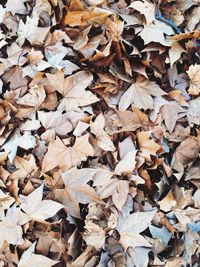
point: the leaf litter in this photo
(99, 133)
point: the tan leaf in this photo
(29, 31)
(194, 74)
(131, 120)
(37, 209)
(10, 229)
(77, 190)
(26, 167)
(25, 141)
(118, 189)
(171, 113)
(140, 94)
(55, 123)
(135, 224)
(147, 146)
(185, 153)
(156, 32)
(66, 157)
(103, 139)
(73, 88)
(146, 8)
(28, 258)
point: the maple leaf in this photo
(24, 167)
(16, 6)
(147, 146)
(28, 258)
(29, 31)
(171, 113)
(135, 224)
(36, 63)
(103, 139)
(73, 88)
(194, 74)
(66, 157)
(10, 229)
(131, 120)
(77, 190)
(37, 209)
(55, 123)
(140, 93)
(146, 8)
(25, 141)
(185, 153)
(156, 32)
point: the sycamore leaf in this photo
(185, 153)
(28, 258)
(135, 224)
(146, 8)
(147, 146)
(103, 139)
(118, 189)
(131, 120)
(25, 167)
(25, 141)
(16, 6)
(155, 32)
(29, 31)
(34, 97)
(10, 229)
(36, 63)
(127, 164)
(55, 123)
(73, 88)
(171, 113)
(37, 209)
(140, 94)
(194, 74)
(77, 190)
(66, 157)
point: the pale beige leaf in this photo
(146, 8)
(73, 88)
(127, 164)
(77, 190)
(194, 75)
(135, 224)
(28, 259)
(140, 94)
(37, 209)
(55, 121)
(66, 157)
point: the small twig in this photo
(169, 22)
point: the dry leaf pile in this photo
(99, 133)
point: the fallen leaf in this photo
(37, 209)
(29, 258)
(135, 224)
(73, 88)
(140, 94)
(194, 73)
(66, 157)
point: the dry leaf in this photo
(37, 209)
(73, 88)
(66, 157)
(194, 74)
(140, 94)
